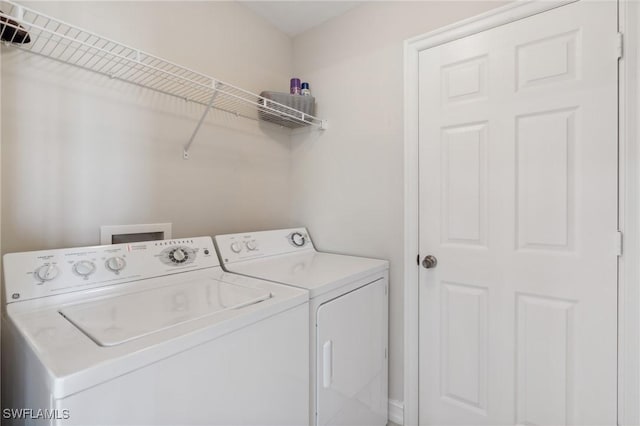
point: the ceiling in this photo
(296, 17)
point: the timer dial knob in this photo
(47, 272)
(115, 264)
(236, 247)
(178, 255)
(84, 268)
(298, 239)
(251, 245)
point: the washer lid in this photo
(119, 319)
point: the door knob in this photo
(429, 262)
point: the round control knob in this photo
(298, 239)
(179, 255)
(84, 268)
(236, 247)
(115, 264)
(251, 245)
(46, 272)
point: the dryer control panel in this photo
(35, 274)
(255, 245)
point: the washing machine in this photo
(151, 333)
(348, 318)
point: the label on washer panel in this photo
(255, 245)
(35, 274)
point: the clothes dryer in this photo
(348, 318)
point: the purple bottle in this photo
(295, 86)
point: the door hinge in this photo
(619, 243)
(619, 45)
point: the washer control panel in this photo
(35, 274)
(254, 245)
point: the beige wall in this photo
(80, 150)
(348, 181)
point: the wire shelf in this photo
(32, 31)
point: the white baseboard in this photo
(396, 412)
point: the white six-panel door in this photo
(518, 203)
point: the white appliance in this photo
(150, 333)
(348, 318)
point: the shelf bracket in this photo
(185, 152)
(19, 15)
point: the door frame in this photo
(628, 194)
